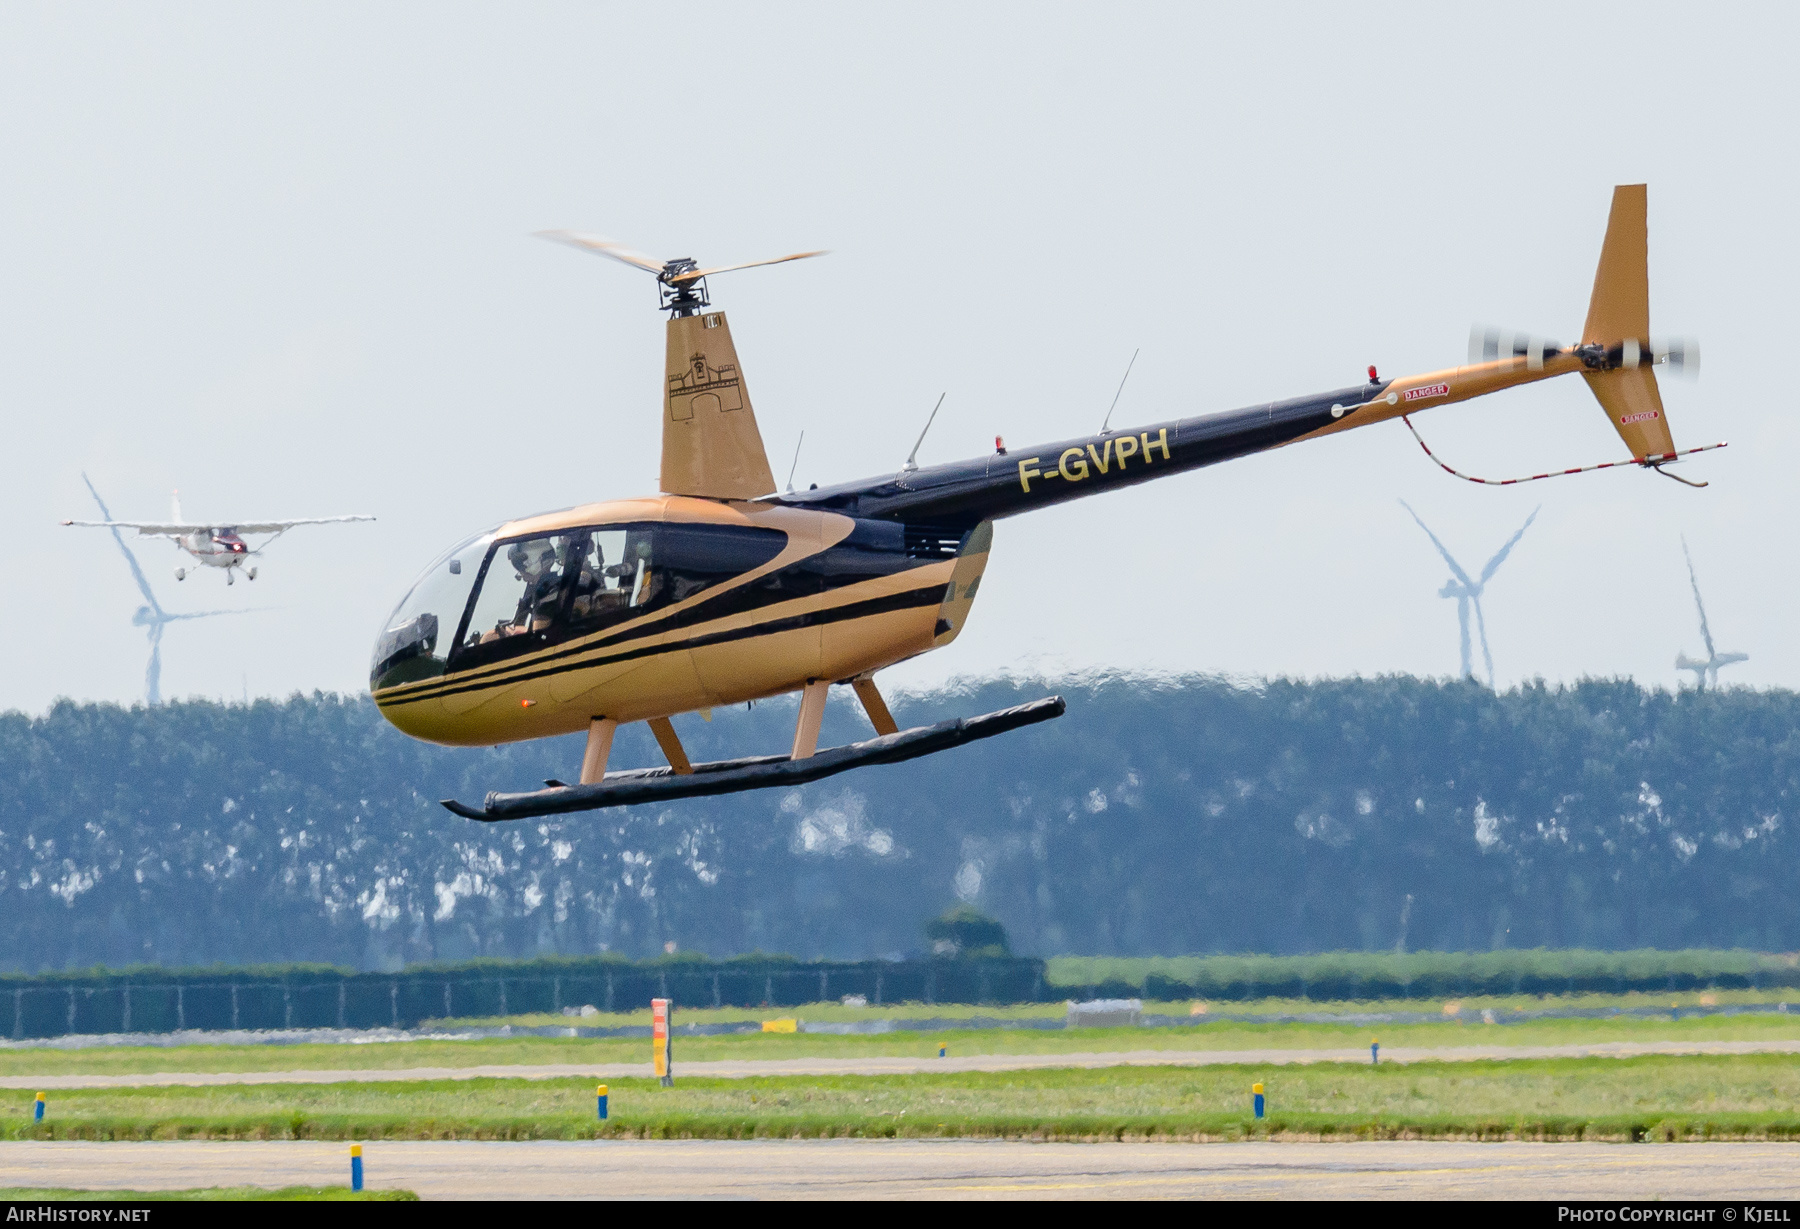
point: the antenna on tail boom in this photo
(1115, 401)
(796, 464)
(912, 458)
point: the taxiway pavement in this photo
(935, 1169)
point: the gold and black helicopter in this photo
(721, 590)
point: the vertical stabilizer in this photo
(711, 445)
(1620, 306)
(1619, 320)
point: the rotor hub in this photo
(683, 289)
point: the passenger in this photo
(590, 593)
(642, 585)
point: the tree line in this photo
(1158, 817)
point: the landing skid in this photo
(618, 789)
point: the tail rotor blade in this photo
(1680, 355)
(1488, 344)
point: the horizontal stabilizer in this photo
(618, 789)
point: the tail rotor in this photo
(1680, 355)
(1488, 344)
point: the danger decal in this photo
(1640, 416)
(1429, 390)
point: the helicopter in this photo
(722, 590)
(214, 545)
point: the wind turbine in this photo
(151, 617)
(1468, 592)
(1706, 673)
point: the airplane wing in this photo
(168, 529)
(284, 526)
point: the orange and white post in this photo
(663, 1059)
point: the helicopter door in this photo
(614, 579)
(519, 599)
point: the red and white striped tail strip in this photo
(1656, 458)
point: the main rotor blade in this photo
(696, 274)
(207, 614)
(604, 247)
(1493, 565)
(143, 582)
(1455, 567)
(1705, 631)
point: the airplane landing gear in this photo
(180, 573)
(231, 576)
(251, 573)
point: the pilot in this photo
(536, 563)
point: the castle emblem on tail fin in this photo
(702, 387)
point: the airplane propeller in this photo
(681, 279)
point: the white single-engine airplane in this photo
(215, 546)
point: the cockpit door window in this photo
(520, 598)
(537, 591)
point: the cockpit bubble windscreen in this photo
(415, 641)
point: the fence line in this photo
(59, 1006)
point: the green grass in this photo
(834, 1012)
(235, 1194)
(828, 1011)
(1713, 1097)
(1220, 1035)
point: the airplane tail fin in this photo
(711, 446)
(1618, 321)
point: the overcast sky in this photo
(279, 257)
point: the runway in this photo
(876, 1065)
(936, 1169)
